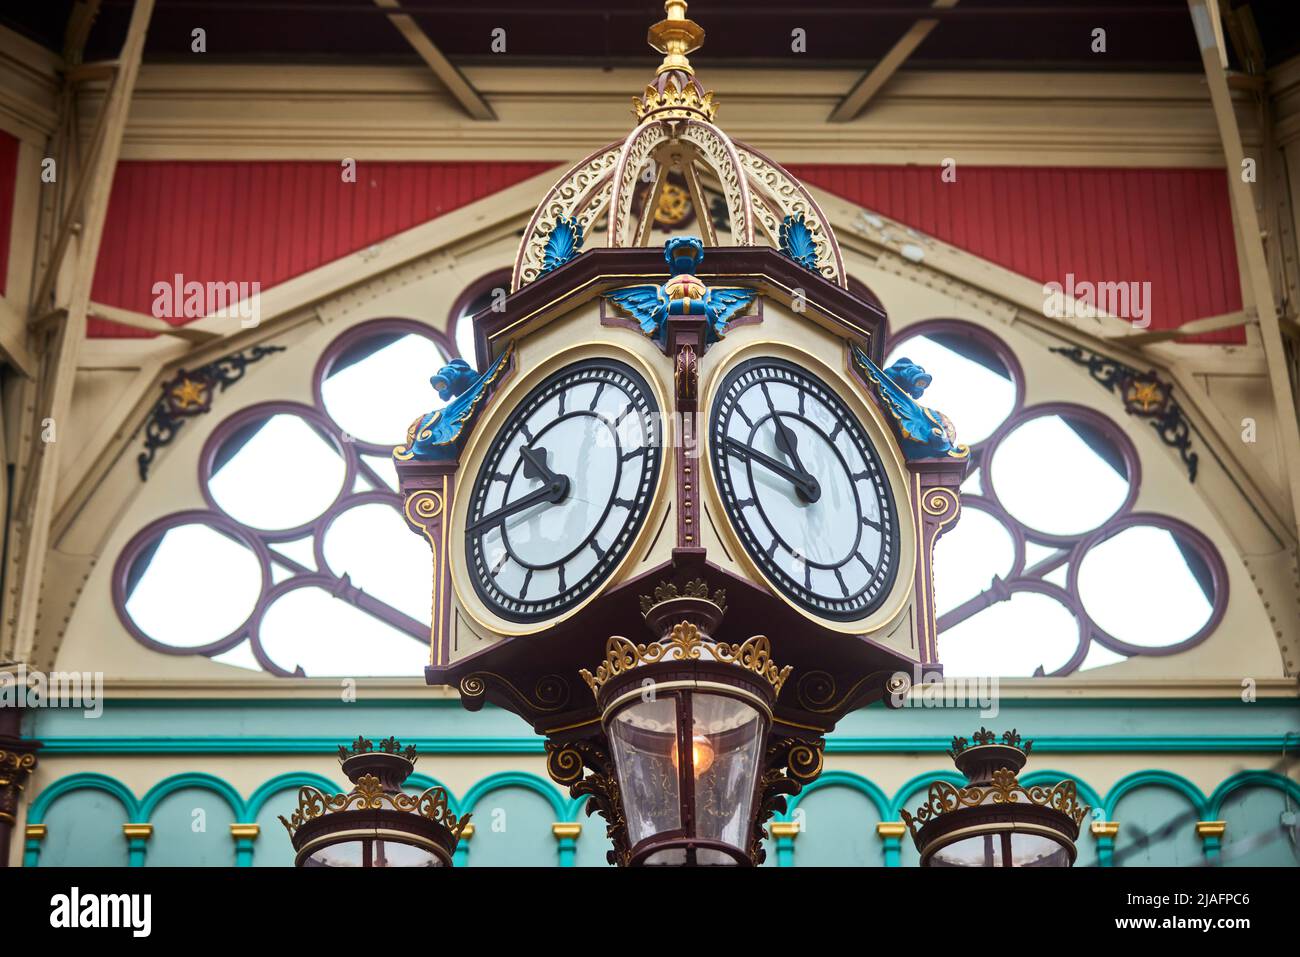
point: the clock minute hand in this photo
(554, 491)
(809, 492)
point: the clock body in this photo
(808, 488)
(804, 488)
(565, 485)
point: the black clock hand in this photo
(788, 442)
(553, 492)
(808, 492)
(535, 466)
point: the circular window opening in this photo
(975, 382)
(1028, 634)
(968, 558)
(169, 594)
(274, 471)
(1063, 472)
(1149, 586)
(378, 381)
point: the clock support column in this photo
(936, 503)
(428, 490)
(686, 344)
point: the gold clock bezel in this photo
(467, 599)
(876, 429)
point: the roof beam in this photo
(28, 532)
(1196, 327)
(1255, 281)
(470, 100)
(871, 82)
(138, 320)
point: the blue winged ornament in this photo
(682, 295)
(923, 432)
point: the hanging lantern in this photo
(686, 723)
(376, 824)
(995, 821)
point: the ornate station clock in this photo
(804, 488)
(563, 490)
(694, 437)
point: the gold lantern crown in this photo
(675, 92)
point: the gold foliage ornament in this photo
(684, 643)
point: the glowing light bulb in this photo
(702, 754)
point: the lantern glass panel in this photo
(990, 850)
(343, 854)
(726, 740)
(372, 853)
(644, 737)
(1031, 850)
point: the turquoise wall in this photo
(513, 811)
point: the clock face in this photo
(804, 489)
(563, 491)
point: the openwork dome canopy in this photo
(621, 186)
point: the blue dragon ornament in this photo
(440, 434)
(924, 433)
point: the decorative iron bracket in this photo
(1145, 395)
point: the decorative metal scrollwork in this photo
(189, 393)
(1145, 395)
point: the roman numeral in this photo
(596, 398)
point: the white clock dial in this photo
(804, 488)
(563, 490)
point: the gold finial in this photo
(675, 36)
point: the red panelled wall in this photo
(8, 186)
(268, 222)
(1169, 227)
(265, 221)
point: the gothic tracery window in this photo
(301, 562)
(1051, 570)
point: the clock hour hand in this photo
(535, 467)
(805, 485)
(788, 442)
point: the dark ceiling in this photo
(1153, 35)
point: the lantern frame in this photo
(375, 811)
(994, 804)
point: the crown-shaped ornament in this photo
(986, 753)
(693, 603)
(675, 93)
